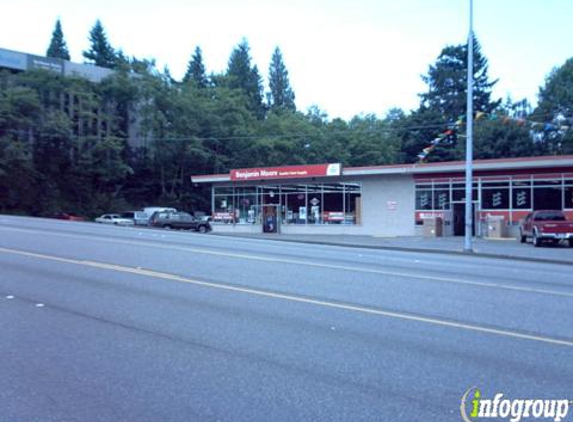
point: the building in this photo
(393, 200)
(79, 109)
(21, 62)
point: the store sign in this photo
(46, 63)
(290, 172)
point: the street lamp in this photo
(469, 140)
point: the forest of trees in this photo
(66, 145)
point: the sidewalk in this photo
(495, 248)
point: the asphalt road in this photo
(126, 324)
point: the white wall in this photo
(388, 206)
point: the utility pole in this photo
(469, 139)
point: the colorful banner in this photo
(451, 132)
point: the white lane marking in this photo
(39, 305)
(9, 297)
(298, 299)
(348, 268)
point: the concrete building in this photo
(394, 200)
(15, 61)
(20, 62)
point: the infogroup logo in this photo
(474, 407)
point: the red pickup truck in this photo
(547, 225)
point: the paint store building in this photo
(392, 200)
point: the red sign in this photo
(290, 172)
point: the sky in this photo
(346, 57)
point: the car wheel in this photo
(571, 243)
(167, 227)
(202, 229)
(535, 240)
(522, 238)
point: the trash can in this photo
(495, 226)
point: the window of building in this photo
(424, 199)
(521, 195)
(568, 194)
(329, 203)
(495, 199)
(547, 195)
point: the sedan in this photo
(116, 219)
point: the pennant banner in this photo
(449, 135)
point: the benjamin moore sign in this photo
(290, 172)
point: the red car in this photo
(546, 226)
(68, 216)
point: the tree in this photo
(555, 110)
(196, 70)
(58, 47)
(282, 95)
(101, 52)
(371, 142)
(242, 76)
(447, 83)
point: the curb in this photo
(405, 249)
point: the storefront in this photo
(386, 200)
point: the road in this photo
(126, 324)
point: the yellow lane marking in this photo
(151, 244)
(298, 299)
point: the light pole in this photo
(469, 139)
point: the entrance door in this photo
(459, 222)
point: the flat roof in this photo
(498, 164)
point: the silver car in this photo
(115, 219)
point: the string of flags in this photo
(449, 136)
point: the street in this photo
(105, 323)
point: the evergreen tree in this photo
(555, 109)
(447, 83)
(282, 95)
(100, 53)
(196, 70)
(243, 76)
(58, 48)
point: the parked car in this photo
(546, 226)
(139, 217)
(151, 210)
(115, 219)
(178, 220)
(68, 216)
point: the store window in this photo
(314, 204)
(547, 195)
(568, 194)
(352, 203)
(224, 211)
(330, 203)
(495, 199)
(459, 192)
(442, 196)
(521, 195)
(294, 204)
(246, 205)
(495, 195)
(424, 199)
(333, 203)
